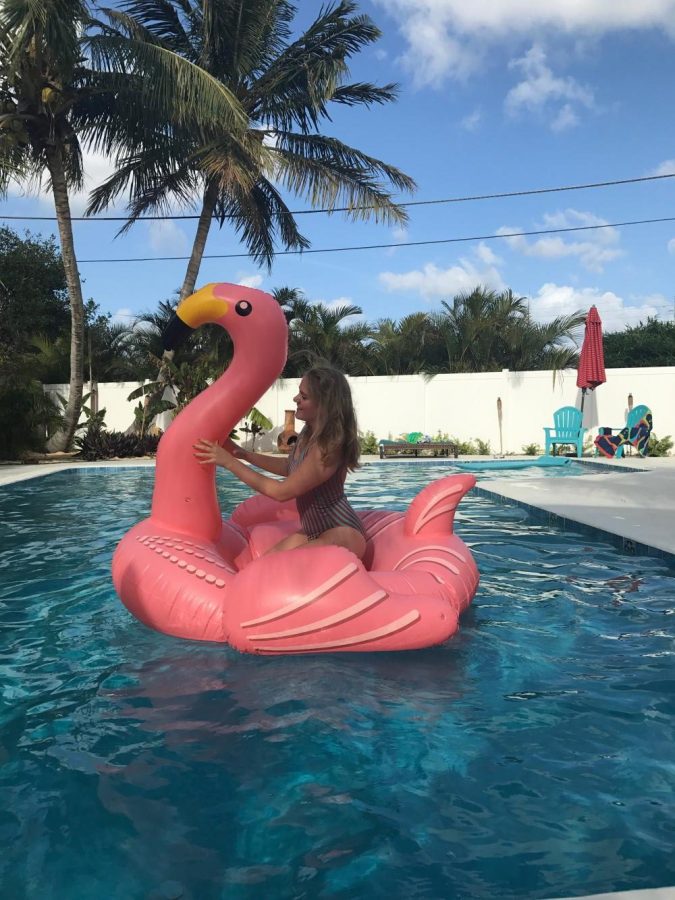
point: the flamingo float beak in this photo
(197, 309)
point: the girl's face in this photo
(306, 408)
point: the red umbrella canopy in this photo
(591, 370)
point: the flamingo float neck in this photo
(185, 498)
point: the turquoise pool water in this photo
(530, 757)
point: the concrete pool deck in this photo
(635, 504)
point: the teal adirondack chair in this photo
(566, 429)
(634, 417)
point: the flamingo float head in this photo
(253, 319)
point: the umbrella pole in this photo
(583, 398)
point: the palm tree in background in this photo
(321, 333)
(411, 346)
(285, 87)
(486, 330)
(62, 88)
(40, 76)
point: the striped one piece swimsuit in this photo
(325, 506)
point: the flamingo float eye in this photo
(243, 308)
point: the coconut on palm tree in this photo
(286, 86)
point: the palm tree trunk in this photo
(205, 218)
(63, 438)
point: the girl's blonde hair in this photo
(335, 430)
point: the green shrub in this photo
(97, 443)
(27, 416)
(368, 443)
(465, 448)
(483, 447)
(660, 447)
(532, 450)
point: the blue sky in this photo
(495, 97)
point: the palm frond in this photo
(365, 94)
(160, 20)
(296, 87)
(174, 88)
(258, 214)
(329, 174)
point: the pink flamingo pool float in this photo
(187, 572)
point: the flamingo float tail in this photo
(432, 512)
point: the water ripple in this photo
(529, 757)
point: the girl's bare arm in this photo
(277, 465)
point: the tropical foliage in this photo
(285, 87)
(63, 86)
(648, 344)
(480, 331)
(485, 331)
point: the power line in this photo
(456, 240)
(351, 209)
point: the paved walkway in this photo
(636, 504)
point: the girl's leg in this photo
(343, 536)
(297, 539)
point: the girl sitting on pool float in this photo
(316, 469)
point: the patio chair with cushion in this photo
(635, 433)
(566, 429)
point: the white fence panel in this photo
(463, 406)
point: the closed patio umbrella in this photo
(591, 370)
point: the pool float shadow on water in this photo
(187, 572)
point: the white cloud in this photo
(565, 119)
(667, 167)
(671, 245)
(487, 255)
(338, 303)
(123, 316)
(544, 93)
(252, 281)
(448, 38)
(165, 236)
(594, 250)
(431, 282)
(472, 121)
(434, 53)
(399, 235)
(616, 312)
(97, 168)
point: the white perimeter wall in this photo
(463, 406)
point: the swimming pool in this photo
(530, 757)
(512, 468)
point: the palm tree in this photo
(285, 87)
(546, 345)
(51, 101)
(39, 73)
(485, 330)
(321, 333)
(408, 347)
